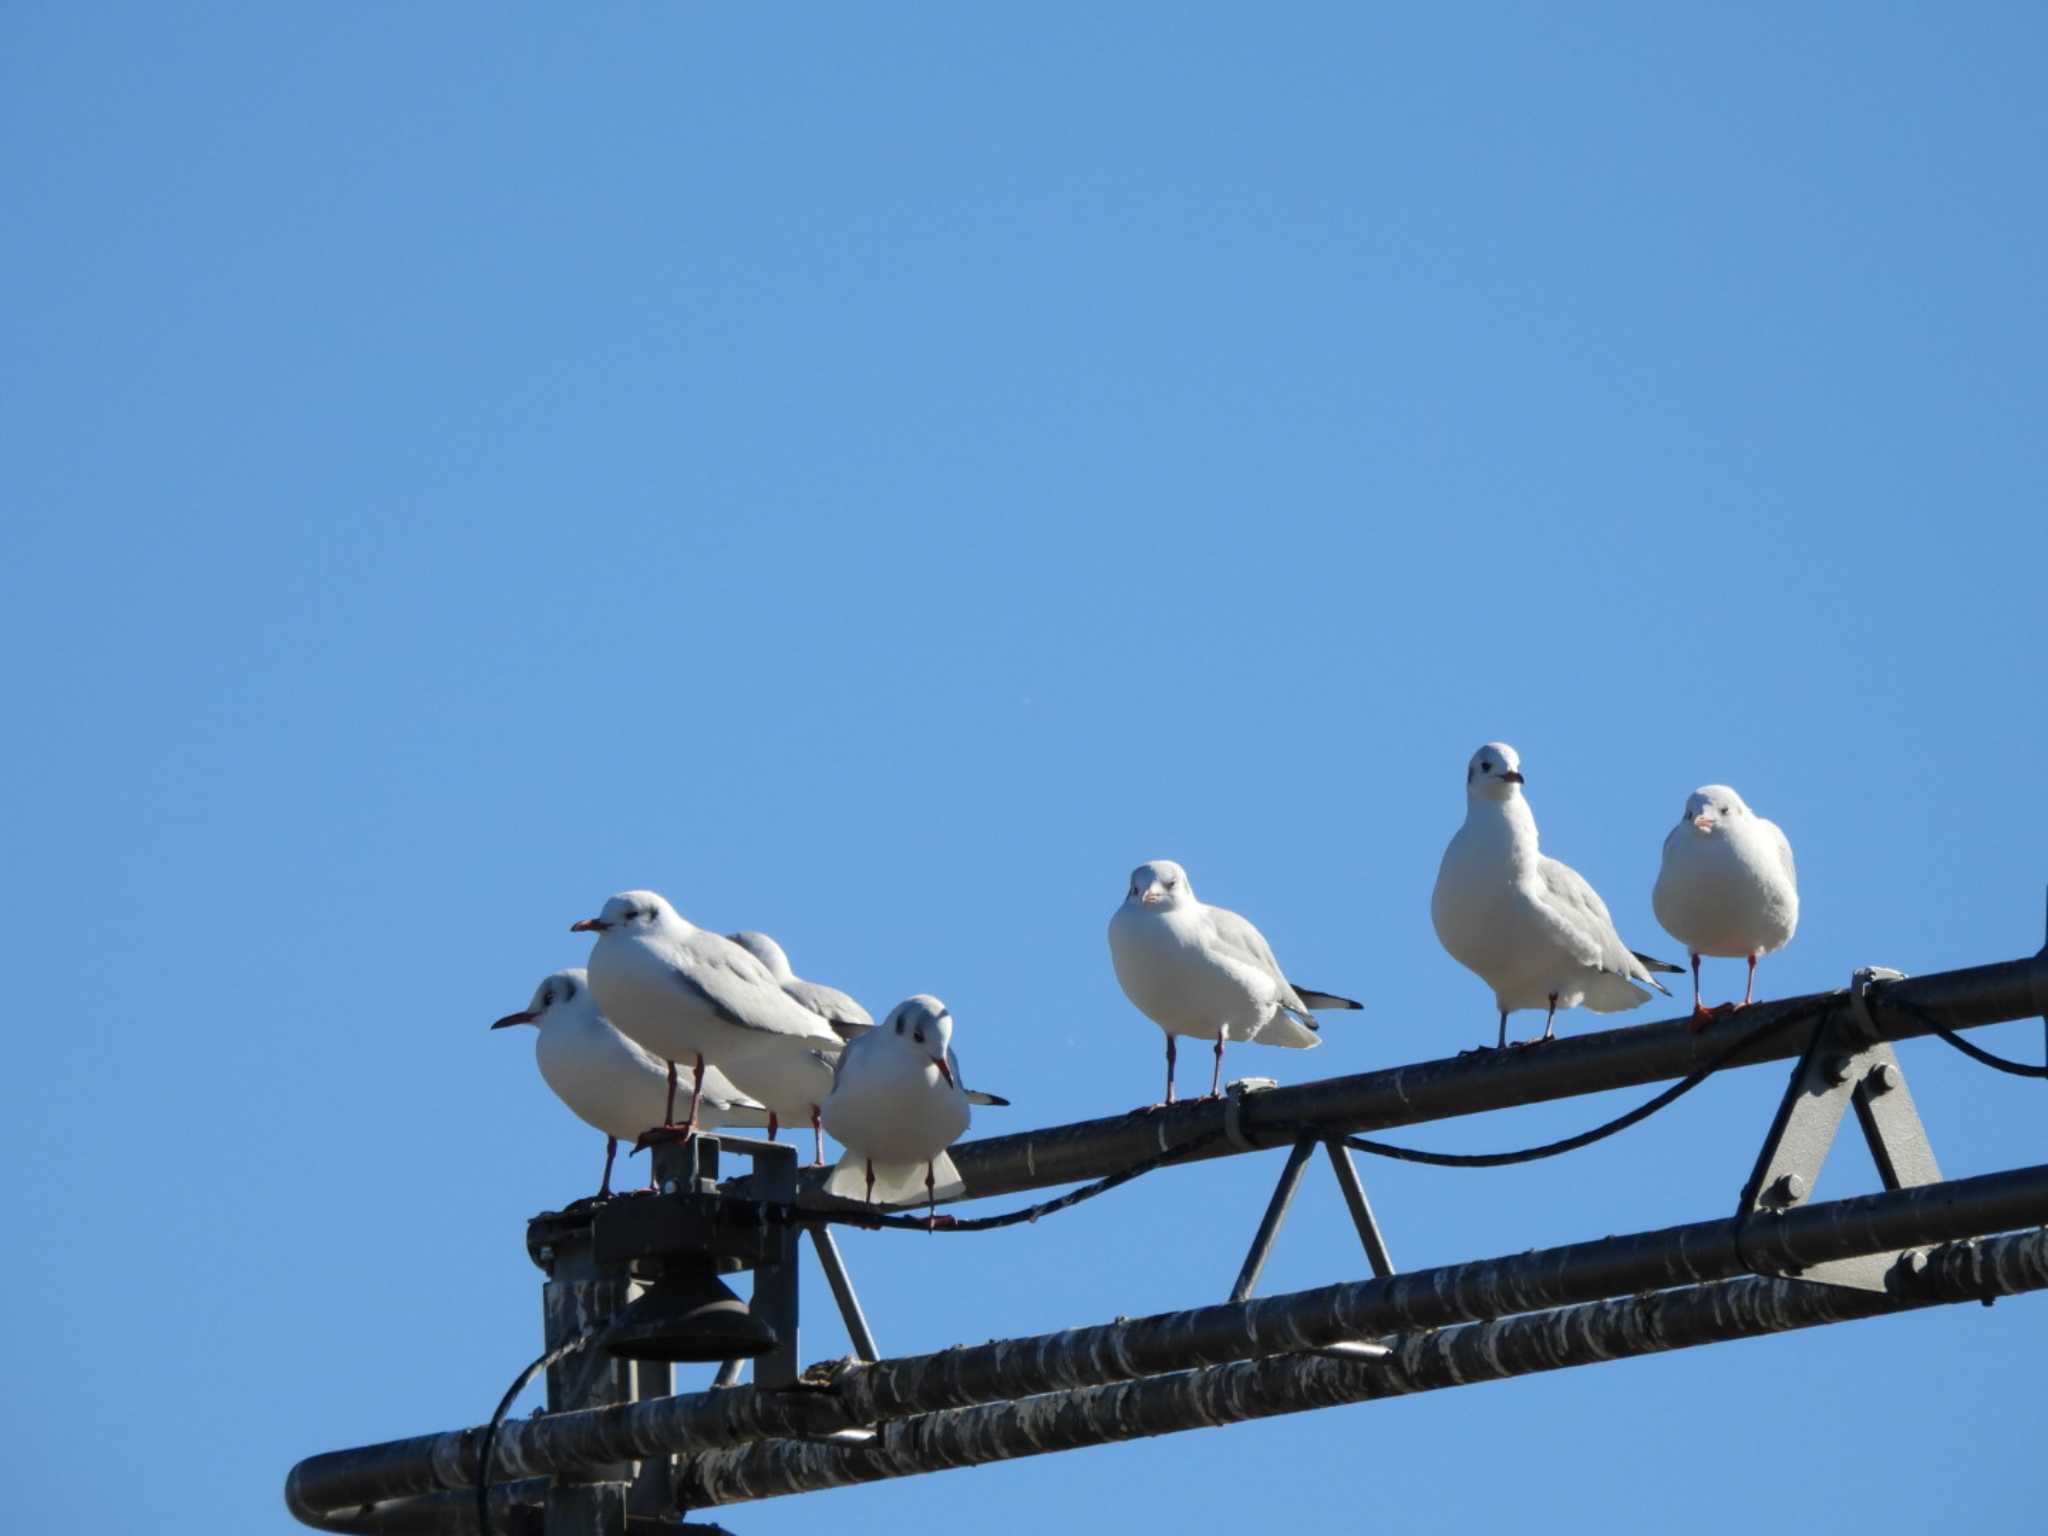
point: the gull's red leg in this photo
(1550, 1020)
(772, 1125)
(871, 1181)
(817, 1137)
(1169, 1069)
(611, 1150)
(696, 1093)
(1749, 992)
(1216, 1077)
(668, 1116)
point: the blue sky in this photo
(876, 473)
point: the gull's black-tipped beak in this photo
(1512, 776)
(517, 1018)
(590, 925)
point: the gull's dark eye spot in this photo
(568, 990)
(899, 1026)
(547, 997)
(1485, 767)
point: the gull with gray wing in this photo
(1205, 972)
(1531, 927)
(688, 994)
(607, 1081)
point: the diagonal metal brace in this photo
(1843, 1065)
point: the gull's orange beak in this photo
(590, 925)
(1704, 823)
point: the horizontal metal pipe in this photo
(1466, 1084)
(1109, 1352)
(1421, 1362)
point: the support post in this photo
(842, 1292)
(1375, 1245)
(1269, 1224)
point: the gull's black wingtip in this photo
(1314, 999)
(1652, 963)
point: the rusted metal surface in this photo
(1082, 1357)
(1466, 1084)
(1420, 1362)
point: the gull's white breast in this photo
(1170, 969)
(892, 1104)
(1728, 892)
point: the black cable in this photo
(1976, 1052)
(1028, 1213)
(1612, 1127)
(1357, 1143)
(483, 1472)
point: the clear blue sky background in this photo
(876, 473)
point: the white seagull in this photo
(898, 1104)
(1199, 970)
(846, 1016)
(688, 994)
(609, 1082)
(1727, 886)
(1530, 927)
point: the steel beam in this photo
(861, 1395)
(1420, 1362)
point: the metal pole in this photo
(1421, 1362)
(1303, 1320)
(842, 1292)
(1463, 1085)
(1361, 1208)
(1269, 1224)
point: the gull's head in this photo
(560, 994)
(1161, 884)
(767, 951)
(922, 1024)
(633, 912)
(1710, 805)
(1494, 773)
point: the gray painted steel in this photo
(1280, 1384)
(1110, 1352)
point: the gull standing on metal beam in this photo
(1727, 887)
(1532, 928)
(688, 994)
(847, 1018)
(1202, 971)
(609, 1082)
(898, 1104)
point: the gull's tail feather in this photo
(1296, 1031)
(1316, 999)
(895, 1183)
(1610, 992)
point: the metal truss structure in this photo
(616, 1452)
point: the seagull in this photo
(898, 1104)
(609, 1082)
(1727, 886)
(1530, 927)
(846, 1016)
(683, 992)
(1198, 970)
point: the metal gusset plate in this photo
(1842, 1067)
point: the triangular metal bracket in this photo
(1348, 1181)
(1844, 1064)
